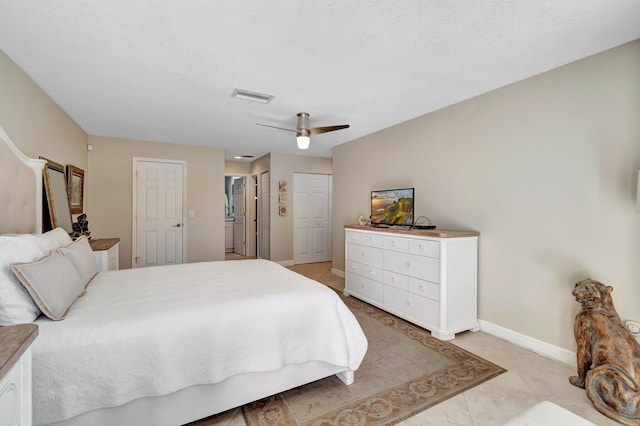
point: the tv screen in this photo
(392, 207)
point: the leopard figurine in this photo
(608, 355)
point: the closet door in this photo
(312, 224)
(158, 215)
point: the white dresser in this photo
(15, 374)
(106, 252)
(426, 277)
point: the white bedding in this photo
(152, 331)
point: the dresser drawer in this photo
(424, 248)
(396, 280)
(422, 308)
(364, 239)
(424, 288)
(364, 286)
(396, 244)
(366, 271)
(364, 254)
(425, 268)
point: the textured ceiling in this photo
(164, 70)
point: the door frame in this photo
(250, 213)
(262, 239)
(134, 212)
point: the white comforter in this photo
(152, 331)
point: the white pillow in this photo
(16, 306)
(53, 283)
(82, 257)
(57, 237)
(46, 244)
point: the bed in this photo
(164, 345)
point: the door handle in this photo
(177, 225)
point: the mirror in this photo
(55, 193)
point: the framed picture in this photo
(75, 188)
(282, 186)
(282, 198)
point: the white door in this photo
(311, 221)
(264, 214)
(239, 208)
(158, 212)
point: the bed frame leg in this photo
(346, 377)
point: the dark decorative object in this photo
(608, 355)
(81, 227)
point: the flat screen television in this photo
(392, 207)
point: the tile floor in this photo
(530, 378)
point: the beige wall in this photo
(109, 190)
(545, 169)
(236, 168)
(283, 167)
(35, 123)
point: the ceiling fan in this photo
(303, 132)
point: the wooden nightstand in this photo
(106, 253)
(15, 374)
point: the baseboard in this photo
(337, 272)
(538, 346)
(286, 263)
(542, 348)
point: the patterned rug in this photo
(404, 372)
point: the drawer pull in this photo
(407, 302)
(393, 243)
(353, 267)
(362, 254)
(421, 287)
(371, 273)
(421, 247)
(370, 240)
(394, 280)
(408, 264)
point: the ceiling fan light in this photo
(303, 142)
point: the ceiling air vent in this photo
(248, 95)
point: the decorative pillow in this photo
(53, 283)
(16, 306)
(82, 257)
(57, 238)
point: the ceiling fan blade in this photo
(318, 130)
(279, 128)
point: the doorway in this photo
(240, 216)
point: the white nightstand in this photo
(15, 374)
(106, 253)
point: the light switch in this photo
(192, 213)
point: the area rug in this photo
(404, 372)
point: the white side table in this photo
(15, 374)
(106, 251)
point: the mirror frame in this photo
(59, 210)
(75, 188)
